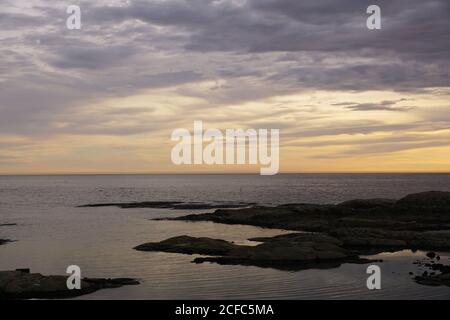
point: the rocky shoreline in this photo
(323, 236)
(21, 284)
(368, 226)
(335, 233)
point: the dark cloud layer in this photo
(259, 48)
(409, 26)
(411, 50)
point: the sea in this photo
(51, 232)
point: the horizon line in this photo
(217, 173)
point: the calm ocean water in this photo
(52, 233)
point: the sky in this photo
(106, 98)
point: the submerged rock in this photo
(288, 252)
(435, 279)
(21, 284)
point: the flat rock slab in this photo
(169, 205)
(25, 285)
(295, 251)
(189, 245)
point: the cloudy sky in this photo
(107, 97)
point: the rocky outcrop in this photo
(371, 225)
(189, 245)
(287, 252)
(372, 240)
(301, 217)
(21, 284)
(331, 234)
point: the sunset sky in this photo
(105, 99)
